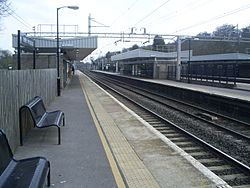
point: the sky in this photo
(175, 17)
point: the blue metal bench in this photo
(24, 173)
(40, 117)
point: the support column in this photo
(155, 68)
(178, 63)
(89, 24)
(116, 67)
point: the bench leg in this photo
(21, 135)
(59, 135)
(48, 177)
(63, 120)
(20, 128)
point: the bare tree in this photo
(4, 8)
(226, 31)
(245, 32)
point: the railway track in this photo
(232, 125)
(230, 168)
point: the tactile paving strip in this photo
(134, 171)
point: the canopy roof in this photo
(141, 53)
(76, 48)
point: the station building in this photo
(160, 65)
(148, 64)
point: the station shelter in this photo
(148, 63)
(72, 51)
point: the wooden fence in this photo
(17, 87)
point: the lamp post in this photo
(57, 46)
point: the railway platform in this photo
(241, 91)
(104, 144)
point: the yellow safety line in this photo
(117, 175)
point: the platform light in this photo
(57, 46)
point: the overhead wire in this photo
(216, 17)
(101, 49)
(151, 12)
(132, 5)
(190, 6)
(17, 17)
(125, 12)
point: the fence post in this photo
(18, 50)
